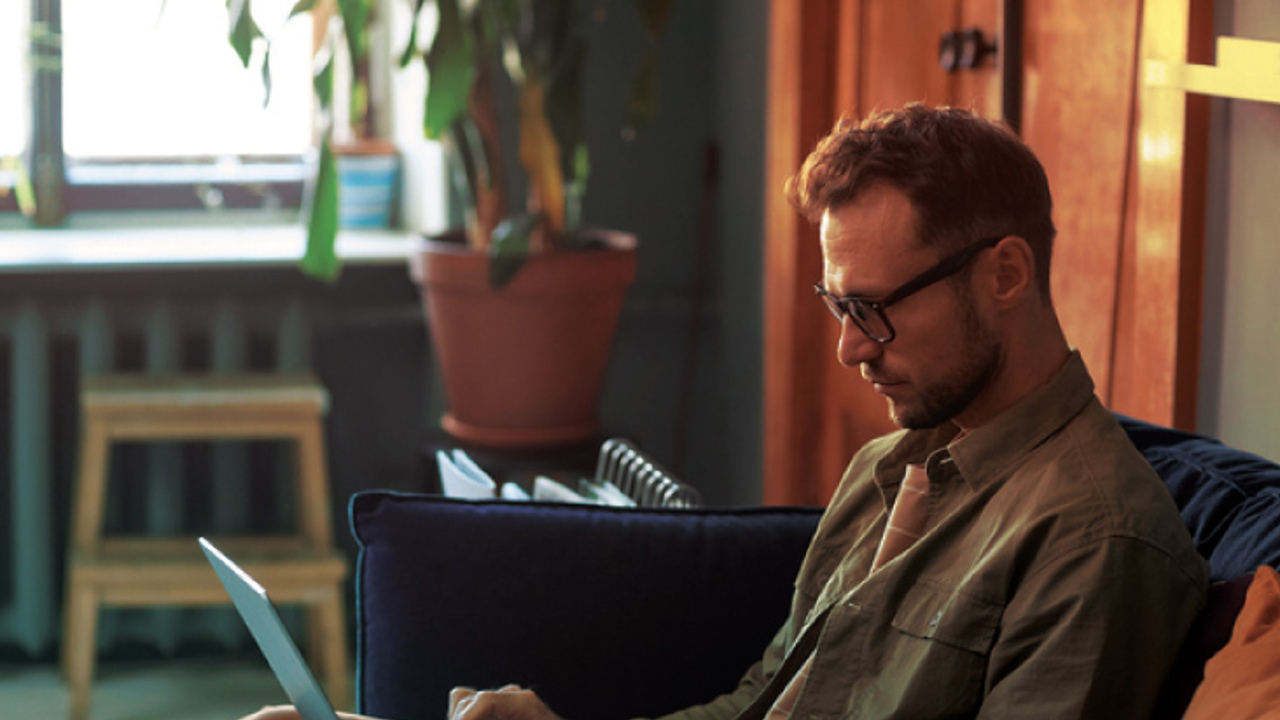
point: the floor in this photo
(189, 689)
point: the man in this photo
(1008, 553)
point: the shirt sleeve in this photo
(1092, 634)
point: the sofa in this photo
(613, 613)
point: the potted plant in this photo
(357, 171)
(523, 304)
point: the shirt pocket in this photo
(932, 611)
(937, 654)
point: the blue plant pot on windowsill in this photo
(368, 185)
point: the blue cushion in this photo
(1230, 499)
(608, 613)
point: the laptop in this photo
(272, 637)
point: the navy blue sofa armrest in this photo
(607, 613)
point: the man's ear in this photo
(1013, 271)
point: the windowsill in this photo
(182, 246)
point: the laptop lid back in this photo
(273, 639)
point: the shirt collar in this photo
(986, 452)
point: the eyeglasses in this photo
(869, 316)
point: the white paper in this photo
(611, 494)
(512, 491)
(544, 488)
(459, 484)
(464, 463)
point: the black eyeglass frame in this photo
(854, 307)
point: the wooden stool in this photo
(138, 571)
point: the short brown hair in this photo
(967, 177)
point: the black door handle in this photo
(949, 51)
(974, 48)
(964, 49)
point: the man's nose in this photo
(855, 347)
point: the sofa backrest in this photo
(1230, 499)
(607, 612)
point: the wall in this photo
(1239, 391)
(713, 94)
(737, 418)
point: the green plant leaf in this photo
(322, 83)
(473, 153)
(576, 190)
(266, 77)
(462, 170)
(510, 248)
(355, 27)
(491, 22)
(321, 258)
(303, 6)
(564, 91)
(242, 29)
(411, 47)
(360, 101)
(450, 70)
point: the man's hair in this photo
(967, 178)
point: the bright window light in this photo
(13, 45)
(157, 79)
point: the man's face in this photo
(945, 354)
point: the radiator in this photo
(642, 478)
(45, 347)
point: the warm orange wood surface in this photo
(899, 60)
(1080, 60)
(1158, 319)
(800, 111)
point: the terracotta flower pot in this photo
(523, 365)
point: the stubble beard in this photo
(943, 400)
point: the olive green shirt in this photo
(1055, 579)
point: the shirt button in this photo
(933, 622)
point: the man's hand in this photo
(509, 703)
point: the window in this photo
(149, 108)
(13, 125)
(150, 79)
(156, 111)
